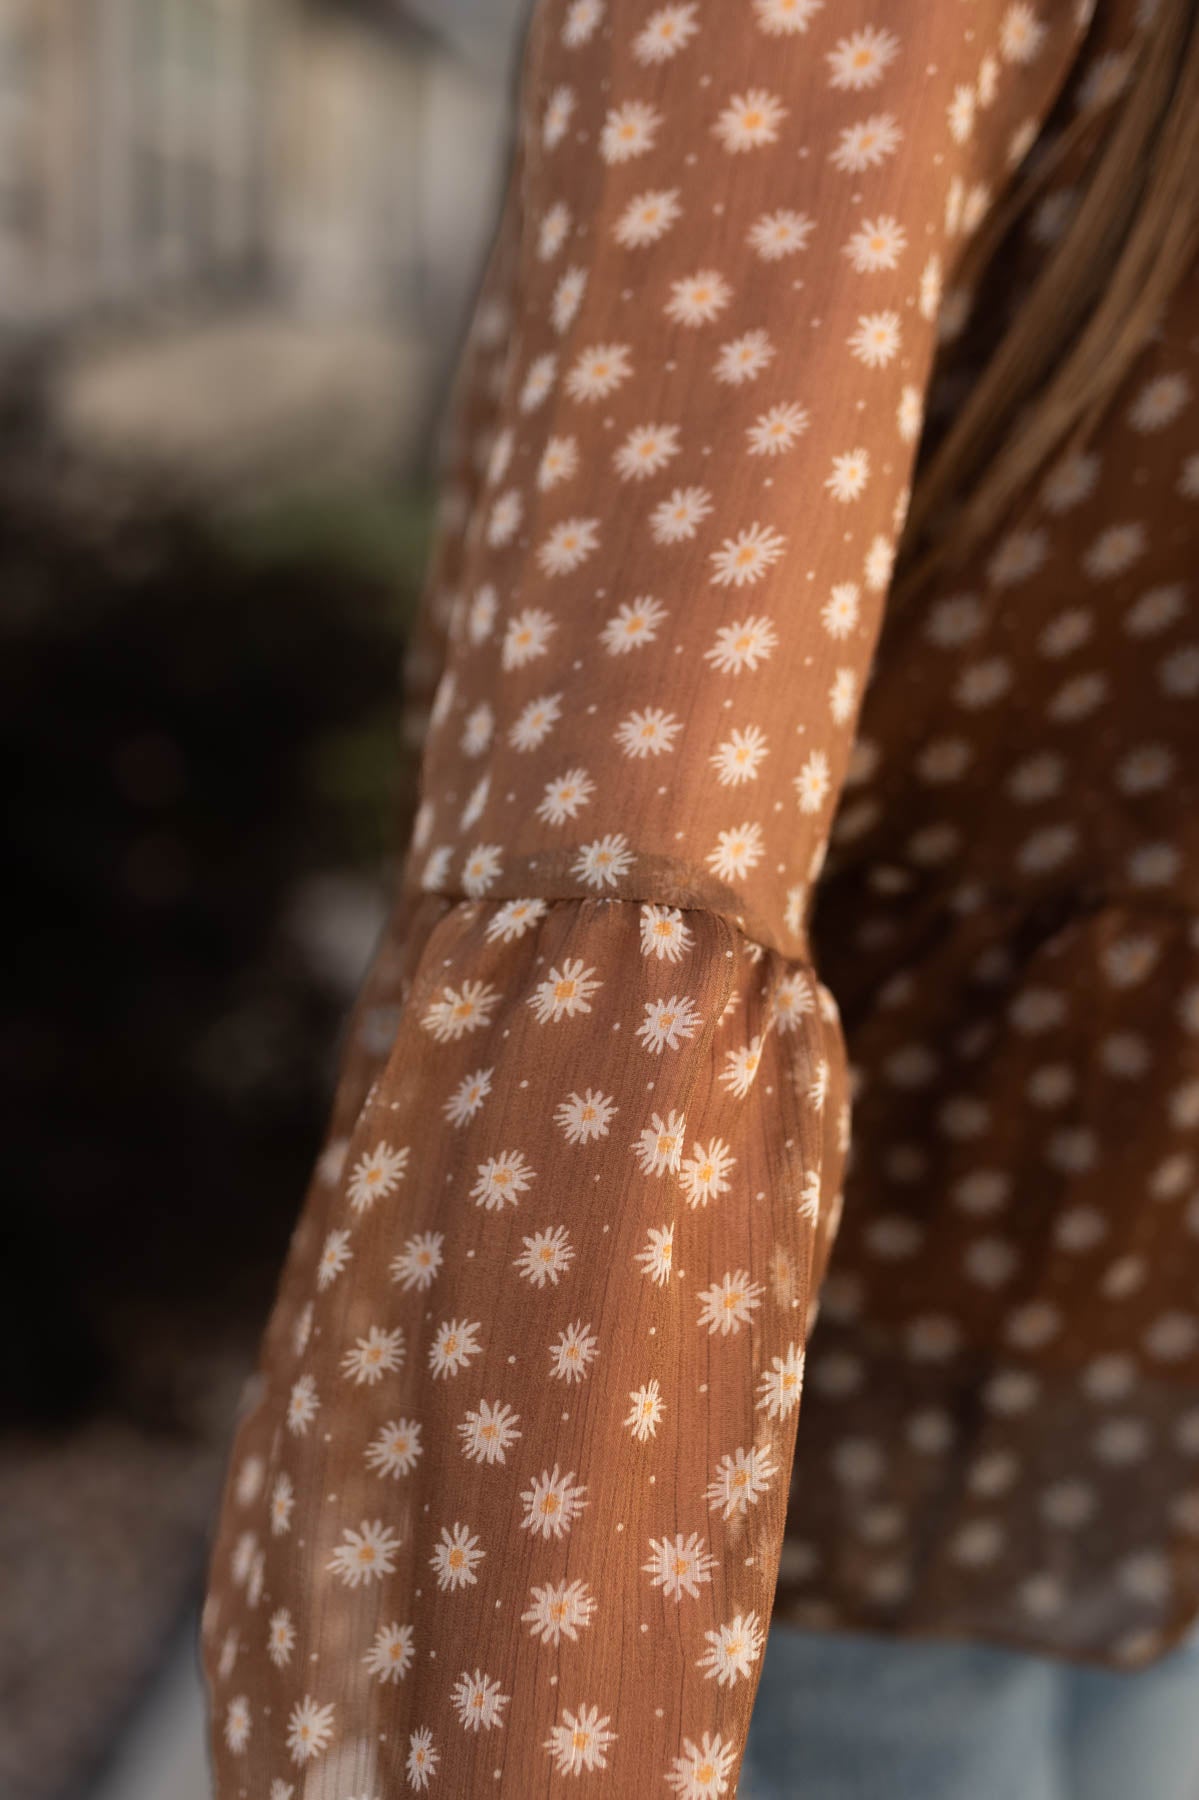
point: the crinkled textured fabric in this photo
(519, 1486)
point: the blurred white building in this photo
(211, 184)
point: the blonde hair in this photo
(1132, 237)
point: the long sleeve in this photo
(505, 1510)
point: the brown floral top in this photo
(519, 1485)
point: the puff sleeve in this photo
(505, 1506)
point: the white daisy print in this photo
(875, 341)
(565, 796)
(500, 1180)
(560, 1610)
(850, 473)
(780, 1386)
(645, 1412)
(777, 429)
(734, 1649)
(737, 851)
(629, 130)
(334, 1257)
(660, 1145)
(750, 120)
(377, 1354)
(861, 60)
(668, 1023)
(604, 861)
(552, 1503)
(785, 18)
(419, 1261)
(456, 1557)
(237, 1724)
(867, 144)
(744, 645)
(281, 1638)
(309, 1729)
(664, 933)
(648, 218)
(566, 548)
(488, 1431)
(703, 1770)
(565, 992)
(599, 371)
(420, 1766)
(648, 733)
(743, 358)
(774, 235)
(478, 1701)
(454, 1345)
(646, 451)
(365, 1554)
(459, 1010)
(376, 1174)
(392, 1654)
(680, 516)
(573, 1352)
(729, 1303)
(578, 1745)
(665, 33)
(302, 1405)
(742, 1477)
(813, 782)
(656, 1259)
(635, 622)
(698, 299)
(585, 1117)
(397, 1448)
(877, 244)
(547, 1255)
(704, 1175)
(559, 461)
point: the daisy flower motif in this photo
(582, 1117)
(961, 112)
(1114, 551)
(774, 235)
(552, 231)
(555, 121)
(645, 1413)
(877, 244)
(910, 414)
(737, 851)
(422, 1760)
(703, 1770)
(1021, 34)
(777, 429)
(237, 1724)
(602, 862)
(665, 33)
(780, 1386)
(281, 1638)
(728, 1304)
(850, 473)
(705, 1174)
(875, 342)
(283, 1499)
(535, 722)
(629, 131)
(930, 288)
(582, 17)
(334, 1257)
(565, 991)
(664, 933)
(743, 358)
(538, 381)
(309, 1729)
(742, 646)
(744, 559)
(552, 1503)
(698, 299)
(1159, 403)
(456, 1557)
(513, 919)
(501, 1178)
(566, 548)
(1018, 555)
(646, 451)
(478, 1701)
(866, 145)
(377, 1354)
(880, 559)
(598, 371)
(647, 733)
(647, 218)
(734, 1649)
(579, 1744)
(668, 1023)
(392, 1654)
(568, 295)
(785, 18)
(505, 516)
(559, 461)
(375, 1175)
(281, 1790)
(861, 60)
(526, 636)
(741, 1480)
(559, 1610)
(546, 1256)
(574, 1351)
(454, 1345)
(397, 1449)
(660, 1146)
(812, 782)
(678, 518)
(488, 1432)
(635, 622)
(737, 760)
(750, 120)
(481, 869)
(365, 1555)
(1071, 481)
(656, 1258)
(459, 1010)
(302, 1405)
(679, 1565)
(740, 1067)
(564, 796)
(843, 695)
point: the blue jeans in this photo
(847, 1717)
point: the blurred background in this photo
(239, 241)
